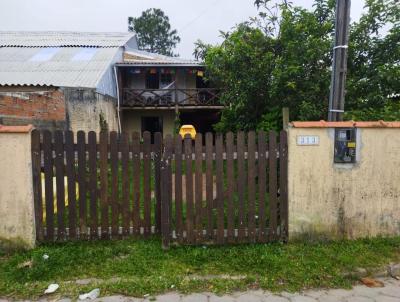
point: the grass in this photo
(137, 268)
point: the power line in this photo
(185, 27)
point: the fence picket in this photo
(166, 192)
(60, 184)
(37, 183)
(114, 184)
(251, 179)
(241, 185)
(48, 179)
(178, 189)
(125, 183)
(198, 186)
(272, 185)
(157, 183)
(136, 182)
(209, 185)
(261, 185)
(189, 189)
(81, 146)
(147, 182)
(220, 187)
(93, 184)
(70, 171)
(103, 149)
(230, 187)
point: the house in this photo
(61, 80)
(157, 93)
(94, 81)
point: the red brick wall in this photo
(44, 106)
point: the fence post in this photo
(283, 158)
(166, 193)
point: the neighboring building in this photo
(61, 80)
(156, 90)
(94, 81)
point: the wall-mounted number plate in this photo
(307, 140)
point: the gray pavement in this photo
(359, 293)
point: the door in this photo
(152, 124)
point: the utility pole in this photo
(339, 68)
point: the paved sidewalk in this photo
(359, 293)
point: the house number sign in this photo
(308, 140)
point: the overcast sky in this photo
(193, 19)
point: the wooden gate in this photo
(235, 189)
(222, 189)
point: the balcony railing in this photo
(170, 97)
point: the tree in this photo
(283, 57)
(154, 32)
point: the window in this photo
(45, 54)
(84, 54)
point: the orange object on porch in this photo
(187, 129)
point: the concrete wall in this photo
(17, 224)
(328, 200)
(131, 120)
(88, 110)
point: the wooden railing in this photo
(170, 97)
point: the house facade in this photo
(95, 81)
(158, 93)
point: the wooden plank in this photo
(219, 161)
(157, 182)
(230, 187)
(136, 182)
(114, 184)
(93, 184)
(166, 182)
(241, 185)
(125, 183)
(70, 171)
(198, 186)
(272, 186)
(209, 185)
(37, 183)
(178, 189)
(147, 182)
(251, 183)
(81, 147)
(189, 189)
(283, 185)
(103, 150)
(48, 180)
(59, 165)
(262, 185)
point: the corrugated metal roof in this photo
(17, 67)
(140, 57)
(63, 39)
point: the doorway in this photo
(152, 124)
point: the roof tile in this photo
(346, 124)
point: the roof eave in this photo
(159, 65)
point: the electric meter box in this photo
(345, 145)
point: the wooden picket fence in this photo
(211, 190)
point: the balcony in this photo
(194, 97)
